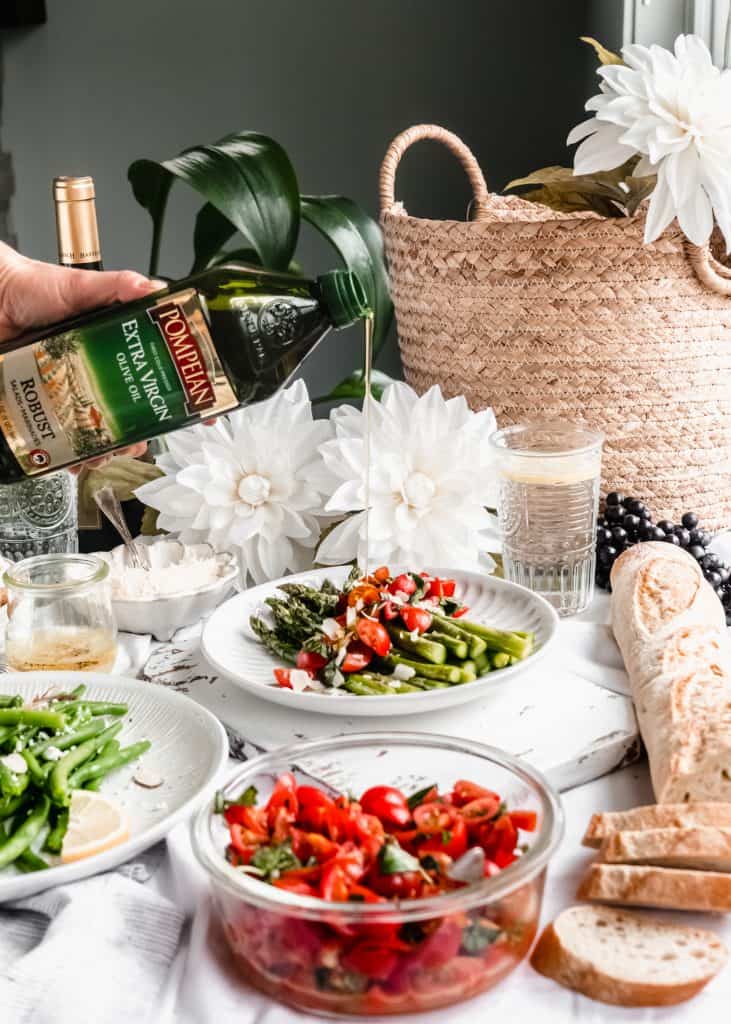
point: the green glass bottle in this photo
(201, 347)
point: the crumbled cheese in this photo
(300, 680)
(15, 763)
(331, 628)
(414, 634)
(52, 754)
(403, 672)
(351, 616)
(401, 595)
(190, 574)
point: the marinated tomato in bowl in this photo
(382, 851)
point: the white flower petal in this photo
(660, 211)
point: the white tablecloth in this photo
(204, 988)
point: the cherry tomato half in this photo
(403, 584)
(404, 885)
(389, 611)
(526, 821)
(381, 574)
(310, 661)
(374, 635)
(418, 619)
(357, 658)
(463, 792)
(478, 811)
(387, 804)
(452, 840)
(334, 884)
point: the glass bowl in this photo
(450, 947)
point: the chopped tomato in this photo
(369, 957)
(334, 883)
(294, 885)
(441, 588)
(526, 821)
(478, 811)
(463, 792)
(404, 885)
(364, 592)
(381, 574)
(311, 844)
(357, 657)
(310, 661)
(252, 818)
(387, 804)
(242, 840)
(498, 836)
(389, 611)
(374, 635)
(283, 798)
(451, 840)
(418, 619)
(282, 677)
(403, 584)
(315, 809)
(460, 612)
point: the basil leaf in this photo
(478, 936)
(273, 860)
(418, 797)
(248, 797)
(393, 859)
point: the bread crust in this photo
(698, 847)
(655, 816)
(662, 888)
(552, 959)
(671, 630)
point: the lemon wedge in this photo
(95, 824)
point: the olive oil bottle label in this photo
(70, 396)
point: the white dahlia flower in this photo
(431, 477)
(674, 110)
(254, 480)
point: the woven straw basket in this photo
(538, 313)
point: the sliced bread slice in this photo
(699, 847)
(624, 958)
(666, 888)
(656, 816)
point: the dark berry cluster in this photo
(628, 521)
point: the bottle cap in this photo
(344, 297)
(68, 189)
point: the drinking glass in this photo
(60, 614)
(38, 516)
(548, 497)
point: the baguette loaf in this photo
(671, 630)
(655, 816)
(699, 848)
(627, 959)
(665, 888)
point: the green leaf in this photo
(148, 526)
(358, 239)
(212, 231)
(273, 860)
(246, 176)
(605, 56)
(354, 387)
(393, 859)
(418, 797)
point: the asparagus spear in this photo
(476, 645)
(443, 673)
(497, 639)
(321, 602)
(428, 650)
(367, 686)
(293, 620)
(482, 663)
(499, 659)
(457, 648)
(282, 649)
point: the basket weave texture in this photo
(543, 314)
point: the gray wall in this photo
(104, 83)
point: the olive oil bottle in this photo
(198, 348)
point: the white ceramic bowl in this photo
(163, 615)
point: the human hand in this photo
(33, 294)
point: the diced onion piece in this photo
(299, 679)
(403, 672)
(15, 763)
(351, 616)
(470, 867)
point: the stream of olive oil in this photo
(367, 363)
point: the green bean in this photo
(54, 839)
(12, 783)
(94, 784)
(95, 707)
(29, 861)
(22, 837)
(9, 701)
(105, 763)
(58, 782)
(35, 771)
(32, 716)
(69, 739)
(11, 805)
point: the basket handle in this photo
(387, 178)
(709, 271)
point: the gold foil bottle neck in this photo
(76, 226)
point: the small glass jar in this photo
(60, 615)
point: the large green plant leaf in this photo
(212, 231)
(358, 239)
(246, 176)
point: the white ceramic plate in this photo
(232, 649)
(189, 750)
